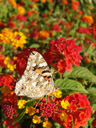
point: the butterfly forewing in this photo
(37, 80)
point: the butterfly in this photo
(36, 80)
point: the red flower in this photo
(2, 25)
(9, 123)
(7, 80)
(94, 123)
(2, 58)
(49, 57)
(35, 34)
(11, 24)
(83, 109)
(62, 54)
(78, 111)
(29, 13)
(83, 30)
(21, 18)
(55, 27)
(44, 15)
(8, 109)
(49, 108)
(80, 12)
(92, 29)
(11, 97)
(75, 5)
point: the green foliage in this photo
(81, 72)
(68, 84)
(20, 116)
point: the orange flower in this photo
(13, 3)
(64, 2)
(75, 5)
(87, 19)
(43, 1)
(43, 34)
(51, 1)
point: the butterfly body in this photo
(37, 79)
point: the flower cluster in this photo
(47, 109)
(88, 19)
(63, 53)
(7, 80)
(55, 27)
(83, 30)
(17, 39)
(92, 29)
(9, 63)
(77, 112)
(40, 25)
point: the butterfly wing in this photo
(38, 64)
(37, 80)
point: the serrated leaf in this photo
(67, 84)
(19, 117)
(81, 72)
(92, 91)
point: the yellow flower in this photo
(36, 119)
(63, 116)
(18, 39)
(30, 110)
(7, 62)
(6, 35)
(5, 90)
(21, 104)
(21, 10)
(65, 104)
(27, 110)
(47, 124)
(58, 94)
(7, 59)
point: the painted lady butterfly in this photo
(37, 79)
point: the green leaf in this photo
(56, 125)
(81, 72)
(67, 84)
(92, 91)
(19, 117)
(94, 107)
(31, 102)
(35, 46)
